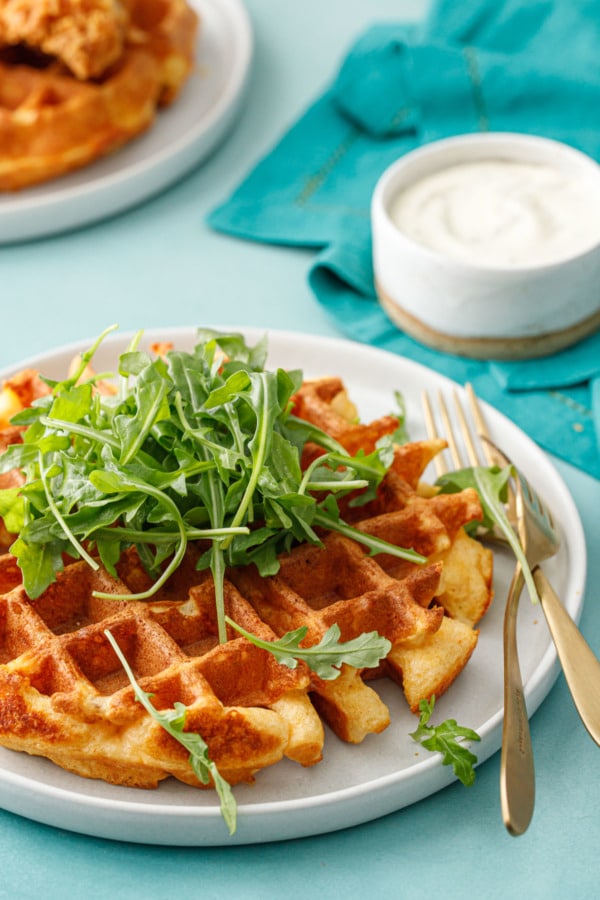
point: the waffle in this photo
(325, 403)
(52, 122)
(65, 696)
(408, 514)
(339, 583)
(86, 35)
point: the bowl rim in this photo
(508, 142)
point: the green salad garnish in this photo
(193, 447)
(447, 738)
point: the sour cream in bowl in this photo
(488, 245)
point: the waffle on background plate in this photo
(79, 78)
(64, 694)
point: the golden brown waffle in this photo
(406, 512)
(325, 403)
(409, 514)
(338, 583)
(65, 696)
(86, 35)
(52, 122)
(433, 526)
(10, 574)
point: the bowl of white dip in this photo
(488, 245)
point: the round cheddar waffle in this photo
(86, 35)
(51, 122)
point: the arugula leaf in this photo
(460, 479)
(444, 738)
(39, 563)
(401, 435)
(199, 446)
(329, 517)
(12, 509)
(326, 657)
(492, 486)
(173, 722)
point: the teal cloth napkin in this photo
(478, 66)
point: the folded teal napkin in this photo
(483, 65)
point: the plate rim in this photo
(345, 802)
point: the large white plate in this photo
(181, 137)
(353, 784)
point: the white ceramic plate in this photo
(182, 136)
(353, 784)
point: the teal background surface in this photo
(159, 265)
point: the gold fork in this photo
(580, 666)
(517, 775)
(539, 541)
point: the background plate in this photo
(352, 784)
(181, 137)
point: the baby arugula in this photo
(445, 739)
(326, 657)
(173, 722)
(492, 485)
(193, 447)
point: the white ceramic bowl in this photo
(479, 310)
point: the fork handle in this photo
(580, 667)
(517, 775)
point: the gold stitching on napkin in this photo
(572, 404)
(321, 175)
(474, 74)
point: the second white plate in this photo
(182, 136)
(352, 784)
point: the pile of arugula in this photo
(198, 446)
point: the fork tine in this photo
(439, 462)
(471, 444)
(467, 433)
(489, 450)
(535, 501)
(479, 448)
(526, 488)
(532, 496)
(482, 429)
(449, 435)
